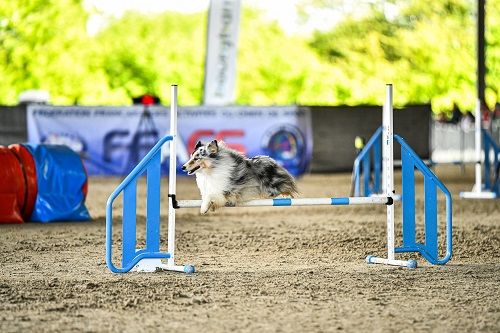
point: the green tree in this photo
(45, 46)
(146, 53)
(274, 68)
(426, 50)
(493, 52)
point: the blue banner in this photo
(112, 140)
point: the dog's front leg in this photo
(206, 203)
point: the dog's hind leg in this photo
(273, 192)
(219, 201)
(230, 199)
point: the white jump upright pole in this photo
(152, 264)
(388, 181)
(477, 191)
(172, 188)
(388, 165)
(478, 145)
(172, 177)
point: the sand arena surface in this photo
(290, 269)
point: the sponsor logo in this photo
(285, 143)
(73, 141)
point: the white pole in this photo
(388, 166)
(478, 145)
(388, 176)
(151, 265)
(477, 191)
(172, 176)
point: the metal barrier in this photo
(367, 165)
(428, 249)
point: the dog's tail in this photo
(289, 187)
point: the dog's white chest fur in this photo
(212, 183)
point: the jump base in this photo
(478, 195)
(393, 262)
(155, 265)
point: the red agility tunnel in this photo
(29, 175)
(12, 187)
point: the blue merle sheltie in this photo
(227, 178)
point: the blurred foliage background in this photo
(426, 48)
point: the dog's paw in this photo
(207, 207)
(204, 209)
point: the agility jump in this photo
(488, 186)
(366, 179)
(150, 258)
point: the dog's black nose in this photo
(183, 168)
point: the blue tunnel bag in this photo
(62, 184)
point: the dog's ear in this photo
(213, 148)
(198, 145)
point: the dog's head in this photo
(201, 157)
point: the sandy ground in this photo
(298, 269)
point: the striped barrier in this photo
(150, 257)
(284, 202)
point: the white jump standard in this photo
(483, 190)
(150, 258)
(388, 182)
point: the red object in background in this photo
(197, 136)
(85, 187)
(220, 136)
(147, 100)
(29, 176)
(12, 187)
(223, 134)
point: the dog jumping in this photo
(225, 177)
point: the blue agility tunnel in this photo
(62, 184)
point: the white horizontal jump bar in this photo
(284, 202)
